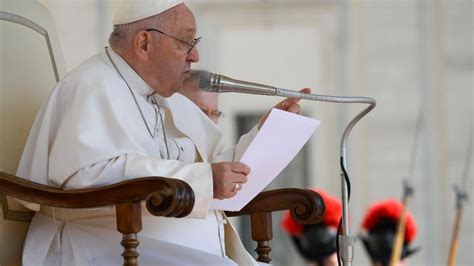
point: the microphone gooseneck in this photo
(217, 83)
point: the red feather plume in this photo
(390, 209)
(331, 217)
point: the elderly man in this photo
(206, 101)
(117, 117)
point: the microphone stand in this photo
(346, 240)
(216, 83)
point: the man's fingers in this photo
(305, 90)
(240, 168)
(228, 178)
(239, 178)
(289, 102)
(286, 103)
(295, 108)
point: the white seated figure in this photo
(117, 117)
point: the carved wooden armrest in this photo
(306, 207)
(164, 197)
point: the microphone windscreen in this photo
(205, 81)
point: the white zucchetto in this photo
(134, 10)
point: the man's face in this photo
(170, 61)
(206, 101)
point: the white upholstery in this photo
(26, 78)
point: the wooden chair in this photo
(169, 198)
(34, 37)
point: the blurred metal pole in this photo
(346, 241)
(433, 147)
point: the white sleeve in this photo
(97, 175)
(244, 142)
(234, 154)
(197, 175)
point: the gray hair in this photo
(122, 35)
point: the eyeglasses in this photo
(191, 45)
(216, 115)
(213, 115)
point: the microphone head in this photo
(209, 81)
(205, 81)
(213, 82)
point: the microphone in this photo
(212, 82)
(217, 83)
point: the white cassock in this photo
(100, 127)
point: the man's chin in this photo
(166, 94)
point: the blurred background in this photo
(415, 57)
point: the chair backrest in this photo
(31, 62)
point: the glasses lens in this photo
(193, 44)
(217, 115)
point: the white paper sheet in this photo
(278, 141)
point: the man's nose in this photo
(193, 55)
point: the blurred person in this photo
(317, 242)
(380, 227)
(206, 101)
(117, 117)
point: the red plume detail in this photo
(333, 209)
(331, 217)
(389, 209)
(290, 226)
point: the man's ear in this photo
(142, 44)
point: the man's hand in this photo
(225, 176)
(289, 104)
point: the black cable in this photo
(339, 227)
(346, 178)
